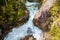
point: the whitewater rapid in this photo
(28, 28)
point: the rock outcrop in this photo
(43, 14)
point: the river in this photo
(28, 28)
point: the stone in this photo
(40, 18)
(29, 37)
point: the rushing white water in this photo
(28, 28)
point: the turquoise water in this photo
(28, 28)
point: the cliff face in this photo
(48, 19)
(41, 18)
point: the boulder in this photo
(29, 37)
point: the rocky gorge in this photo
(23, 31)
(30, 20)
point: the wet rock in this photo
(29, 31)
(29, 37)
(41, 22)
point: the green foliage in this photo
(58, 4)
(11, 11)
(55, 30)
(40, 1)
(54, 11)
(54, 38)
